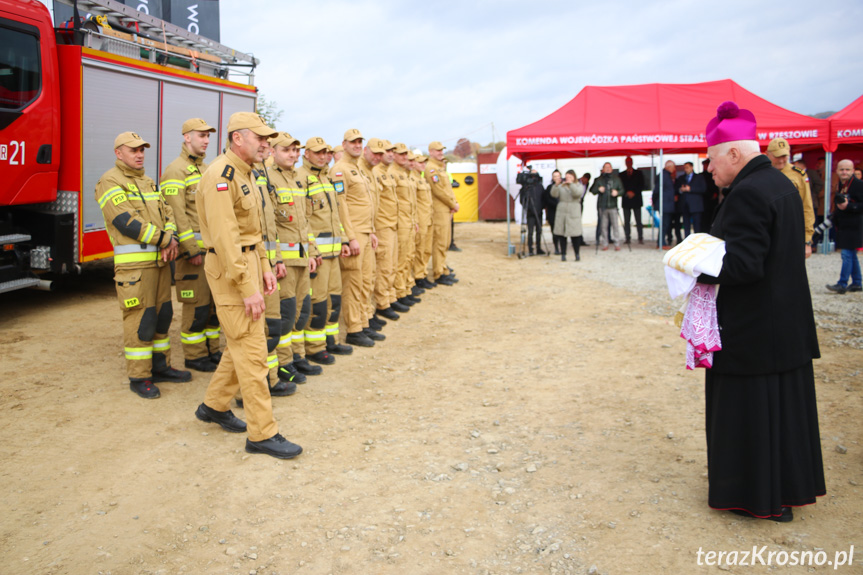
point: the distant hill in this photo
(822, 115)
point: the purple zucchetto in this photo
(730, 124)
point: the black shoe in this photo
(454, 248)
(578, 257)
(413, 298)
(226, 419)
(373, 335)
(451, 277)
(838, 288)
(388, 313)
(359, 338)
(556, 252)
(855, 288)
(379, 323)
(171, 375)
(540, 252)
(443, 280)
(563, 257)
(144, 388)
(304, 367)
(322, 358)
(425, 284)
(406, 302)
(399, 307)
(417, 290)
(277, 446)
(338, 348)
(201, 364)
(289, 373)
(216, 357)
(283, 388)
(787, 515)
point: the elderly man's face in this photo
(721, 167)
(845, 170)
(606, 168)
(779, 162)
(670, 167)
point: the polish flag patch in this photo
(338, 174)
(223, 187)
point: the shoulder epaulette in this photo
(228, 173)
(798, 170)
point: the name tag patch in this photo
(187, 293)
(118, 199)
(131, 302)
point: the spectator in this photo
(778, 152)
(607, 187)
(530, 197)
(666, 210)
(690, 189)
(549, 202)
(633, 185)
(567, 223)
(848, 222)
(585, 181)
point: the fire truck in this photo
(65, 94)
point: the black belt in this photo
(243, 248)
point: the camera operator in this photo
(848, 221)
(530, 198)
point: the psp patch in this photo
(340, 187)
(435, 179)
(222, 187)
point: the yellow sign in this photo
(132, 302)
(187, 293)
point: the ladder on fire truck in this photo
(162, 36)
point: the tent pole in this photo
(653, 170)
(661, 211)
(509, 247)
(828, 192)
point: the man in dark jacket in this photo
(848, 221)
(530, 198)
(633, 185)
(666, 210)
(763, 444)
(607, 187)
(690, 191)
(550, 204)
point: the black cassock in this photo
(763, 442)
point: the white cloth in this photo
(697, 254)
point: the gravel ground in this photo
(840, 317)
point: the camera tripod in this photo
(541, 244)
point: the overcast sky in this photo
(422, 71)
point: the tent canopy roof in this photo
(846, 125)
(641, 119)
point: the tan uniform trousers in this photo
(423, 250)
(385, 273)
(199, 329)
(370, 266)
(142, 294)
(326, 286)
(441, 236)
(357, 279)
(272, 329)
(244, 362)
(294, 285)
(404, 271)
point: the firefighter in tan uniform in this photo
(367, 164)
(239, 273)
(322, 208)
(199, 331)
(143, 232)
(272, 314)
(779, 153)
(424, 224)
(444, 205)
(407, 192)
(356, 211)
(386, 229)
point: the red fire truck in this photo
(65, 94)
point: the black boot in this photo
(373, 335)
(388, 313)
(144, 388)
(288, 372)
(304, 367)
(360, 339)
(322, 357)
(338, 348)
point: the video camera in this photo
(526, 178)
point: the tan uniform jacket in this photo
(137, 219)
(179, 186)
(356, 197)
(424, 199)
(801, 182)
(322, 210)
(388, 201)
(289, 198)
(441, 188)
(407, 192)
(230, 209)
(268, 221)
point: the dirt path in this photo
(530, 419)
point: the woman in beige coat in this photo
(567, 221)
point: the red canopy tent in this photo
(640, 119)
(846, 126)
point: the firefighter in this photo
(238, 271)
(199, 331)
(272, 315)
(323, 212)
(424, 223)
(143, 232)
(386, 254)
(444, 205)
(407, 192)
(357, 217)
